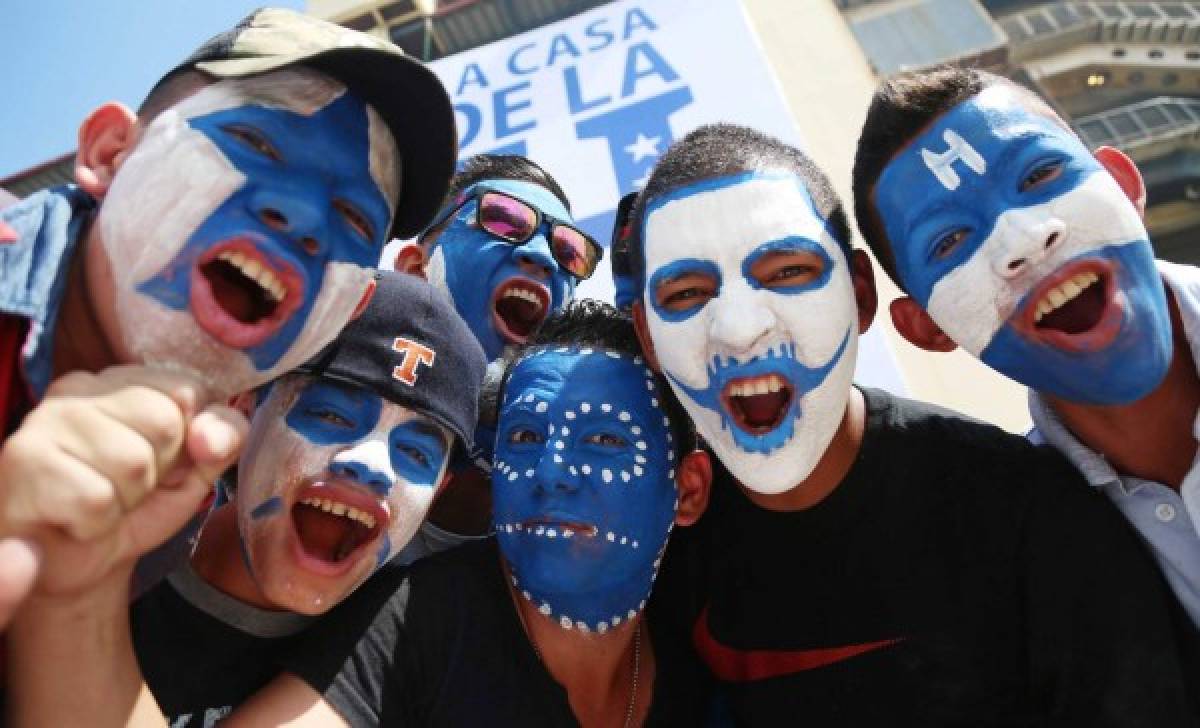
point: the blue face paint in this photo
(583, 485)
(269, 507)
(306, 170)
(475, 267)
(331, 477)
(776, 361)
(1025, 251)
(752, 311)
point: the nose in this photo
(1027, 239)
(299, 214)
(366, 463)
(535, 258)
(554, 475)
(739, 320)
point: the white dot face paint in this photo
(224, 234)
(763, 359)
(332, 482)
(582, 483)
(1026, 252)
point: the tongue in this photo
(325, 535)
(241, 297)
(1078, 315)
(762, 410)
(519, 315)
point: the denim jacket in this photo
(34, 268)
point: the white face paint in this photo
(751, 309)
(257, 173)
(332, 482)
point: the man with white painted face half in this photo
(551, 621)
(871, 560)
(1015, 242)
(220, 236)
(505, 247)
(343, 459)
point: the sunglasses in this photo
(516, 221)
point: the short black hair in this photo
(171, 91)
(588, 322)
(902, 107)
(504, 166)
(722, 150)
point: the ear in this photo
(862, 274)
(693, 481)
(1126, 173)
(411, 259)
(914, 324)
(106, 137)
(643, 335)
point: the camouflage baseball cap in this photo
(408, 96)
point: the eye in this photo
(605, 439)
(414, 454)
(254, 139)
(523, 435)
(355, 219)
(949, 242)
(1041, 174)
(330, 417)
(685, 292)
(787, 268)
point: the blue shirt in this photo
(34, 269)
(1167, 520)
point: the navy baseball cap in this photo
(410, 347)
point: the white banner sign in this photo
(596, 98)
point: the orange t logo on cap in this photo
(414, 355)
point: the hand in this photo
(80, 475)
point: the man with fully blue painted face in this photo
(343, 459)
(505, 248)
(1015, 242)
(547, 622)
(872, 560)
(219, 238)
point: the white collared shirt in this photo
(1167, 520)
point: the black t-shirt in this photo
(203, 652)
(441, 644)
(957, 576)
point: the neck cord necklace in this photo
(637, 658)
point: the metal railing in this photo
(1155, 120)
(1121, 21)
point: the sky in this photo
(63, 58)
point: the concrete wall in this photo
(827, 83)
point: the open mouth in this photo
(1075, 308)
(334, 525)
(519, 307)
(758, 404)
(241, 298)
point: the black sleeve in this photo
(357, 656)
(1103, 647)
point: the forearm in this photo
(71, 662)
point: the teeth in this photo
(255, 271)
(759, 385)
(1063, 293)
(341, 509)
(522, 294)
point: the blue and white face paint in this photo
(583, 488)
(333, 481)
(242, 229)
(750, 305)
(502, 291)
(1026, 252)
